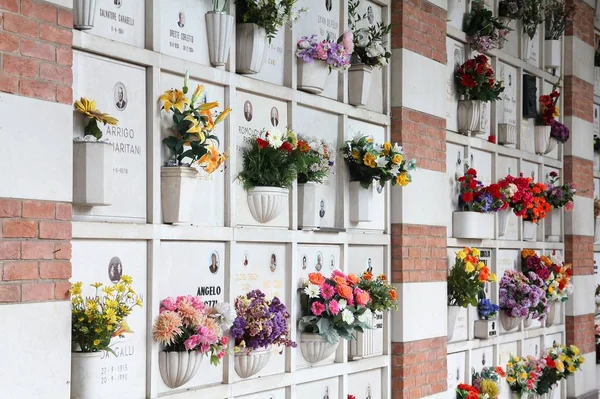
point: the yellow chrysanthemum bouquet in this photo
(369, 161)
(99, 318)
(87, 108)
(193, 125)
(467, 278)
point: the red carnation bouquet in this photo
(475, 197)
(518, 193)
(475, 80)
(465, 391)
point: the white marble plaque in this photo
(193, 268)
(456, 57)
(375, 101)
(455, 168)
(120, 20)
(210, 190)
(527, 127)
(365, 385)
(183, 29)
(483, 357)
(482, 162)
(272, 69)
(456, 13)
(256, 114)
(456, 371)
(596, 264)
(532, 347)
(511, 45)
(321, 389)
(506, 110)
(93, 261)
(119, 90)
(274, 394)
(505, 351)
(535, 49)
(378, 205)
(597, 121)
(530, 169)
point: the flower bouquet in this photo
(315, 160)
(268, 171)
(487, 381)
(484, 31)
(187, 330)
(92, 158)
(560, 362)
(368, 162)
(258, 22)
(370, 51)
(319, 56)
(95, 321)
(332, 307)
(558, 15)
(523, 374)
(476, 84)
(518, 298)
(193, 147)
(466, 282)
(548, 131)
(510, 9)
(558, 196)
(260, 324)
(532, 17)
(466, 391)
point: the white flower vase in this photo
(469, 117)
(552, 226)
(178, 368)
(312, 76)
(84, 14)
(529, 231)
(527, 322)
(597, 230)
(309, 202)
(219, 29)
(551, 313)
(86, 378)
(266, 203)
(251, 48)
(366, 342)
(474, 225)
(359, 84)
(527, 47)
(452, 318)
(544, 143)
(507, 134)
(315, 348)
(486, 329)
(178, 188)
(360, 202)
(503, 217)
(508, 323)
(552, 51)
(92, 173)
(249, 363)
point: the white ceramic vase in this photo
(552, 305)
(315, 348)
(359, 84)
(312, 76)
(86, 378)
(529, 231)
(527, 322)
(360, 202)
(503, 217)
(84, 14)
(178, 188)
(266, 203)
(597, 230)
(552, 54)
(366, 343)
(92, 173)
(219, 29)
(309, 206)
(544, 143)
(508, 323)
(251, 48)
(469, 116)
(507, 133)
(527, 47)
(249, 363)
(178, 368)
(552, 225)
(452, 318)
(486, 329)
(474, 225)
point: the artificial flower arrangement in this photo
(369, 161)
(466, 391)
(193, 141)
(523, 374)
(187, 330)
(519, 298)
(511, 9)
(487, 381)
(557, 363)
(87, 108)
(314, 159)
(484, 31)
(97, 319)
(383, 295)
(555, 273)
(467, 278)
(369, 42)
(486, 309)
(474, 197)
(560, 196)
(539, 207)
(270, 15)
(532, 17)
(335, 55)
(519, 194)
(558, 16)
(548, 130)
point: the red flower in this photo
(467, 197)
(492, 139)
(553, 174)
(470, 64)
(473, 184)
(480, 69)
(467, 81)
(472, 172)
(481, 58)
(489, 72)
(550, 363)
(286, 146)
(262, 143)
(554, 94)
(491, 82)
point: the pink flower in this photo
(362, 297)
(327, 291)
(192, 342)
(224, 340)
(221, 354)
(168, 304)
(569, 206)
(317, 308)
(204, 348)
(338, 273)
(334, 307)
(207, 335)
(348, 41)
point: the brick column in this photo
(35, 215)
(578, 92)
(419, 266)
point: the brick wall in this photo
(418, 253)
(578, 332)
(583, 22)
(579, 98)
(580, 171)
(579, 250)
(35, 50)
(35, 250)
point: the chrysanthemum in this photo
(189, 314)
(167, 327)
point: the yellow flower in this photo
(516, 358)
(76, 288)
(581, 359)
(197, 93)
(96, 285)
(355, 154)
(397, 159)
(174, 99)
(110, 315)
(88, 108)
(556, 113)
(138, 301)
(510, 380)
(127, 279)
(475, 252)
(490, 388)
(369, 139)
(108, 290)
(92, 305)
(574, 349)
(212, 160)
(222, 116)
(480, 265)
(402, 179)
(571, 369)
(369, 160)
(550, 289)
(469, 267)
(562, 357)
(96, 342)
(461, 255)
(121, 287)
(387, 147)
(559, 365)
(509, 365)
(493, 278)
(195, 127)
(523, 375)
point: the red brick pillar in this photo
(419, 266)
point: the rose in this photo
(168, 304)
(340, 280)
(344, 291)
(262, 143)
(353, 279)
(348, 41)
(361, 38)
(362, 297)
(316, 278)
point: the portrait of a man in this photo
(303, 262)
(322, 209)
(273, 265)
(274, 116)
(248, 110)
(214, 262)
(319, 264)
(181, 20)
(120, 96)
(115, 270)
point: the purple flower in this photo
(559, 131)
